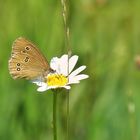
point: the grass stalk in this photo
(65, 14)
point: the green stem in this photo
(67, 100)
(54, 115)
(65, 15)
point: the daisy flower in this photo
(63, 76)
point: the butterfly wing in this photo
(27, 61)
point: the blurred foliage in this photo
(106, 36)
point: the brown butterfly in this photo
(27, 61)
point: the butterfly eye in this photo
(26, 59)
(27, 48)
(18, 64)
(18, 69)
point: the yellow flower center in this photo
(56, 80)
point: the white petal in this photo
(73, 81)
(39, 83)
(77, 71)
(67, 87)
(55, 64)
(64, 65)
(72, 62)
(43, 88)
(81, 77)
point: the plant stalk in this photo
(67, 100)
(65, 15)
(55, 115)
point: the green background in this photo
(105, 34)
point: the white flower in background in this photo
(63, 76)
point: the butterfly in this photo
(27, 61)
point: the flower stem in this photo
(67, 134)
(54, 115)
